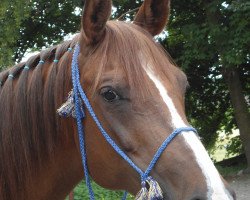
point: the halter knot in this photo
(67, 109)
(150, 190)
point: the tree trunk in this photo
(240, 107)
(231, 75)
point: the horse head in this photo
(137, 92)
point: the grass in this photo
(231, 171)
(81, 193)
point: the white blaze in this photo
(216, 188)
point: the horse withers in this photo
(137, 94)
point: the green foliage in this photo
(35, 24)
(81, 192)
(234, 145)
(124, 6)
(11, 15)
(204, 38)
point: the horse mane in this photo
(30, 93)
(27, 99)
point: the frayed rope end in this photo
(67, 109)
(143, 193)
(153, 192)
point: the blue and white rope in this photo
(80, 126)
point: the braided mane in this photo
(26, 92)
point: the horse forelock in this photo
(122, 47)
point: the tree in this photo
(214, 35)
(12, 13)
(35, 24)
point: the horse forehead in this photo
(173, 80)
(114, 74)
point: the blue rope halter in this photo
(78, 97)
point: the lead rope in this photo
(74, 107)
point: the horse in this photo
(137, 93)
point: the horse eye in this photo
(109, 94)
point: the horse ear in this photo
(95, 16)
(153, 15)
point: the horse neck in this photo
(38, 152)
(65, 171)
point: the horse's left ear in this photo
(95, 16)
(153, 15)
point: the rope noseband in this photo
(74, 107)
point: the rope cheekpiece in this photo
(74, 107)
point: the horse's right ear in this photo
(153, 15)
(95, 16)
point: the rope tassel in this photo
(67, 109)
(155, 192)
(143, 193)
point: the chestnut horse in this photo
(137, 94)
